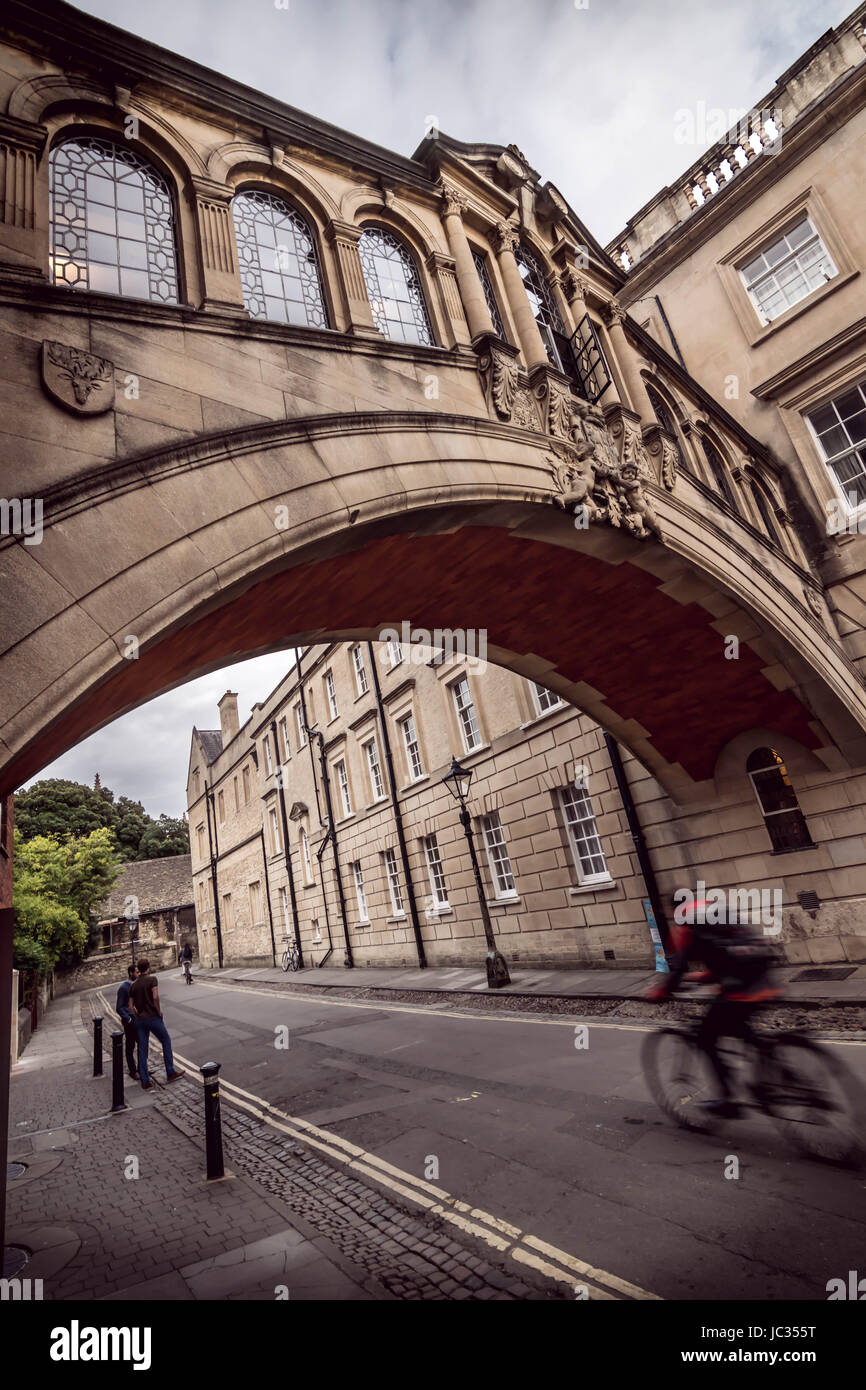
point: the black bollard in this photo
(213, 1134)
(117, 1101)
(97, 1047)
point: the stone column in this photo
(218, 255)
(474, 303)
(442, 271)
(627, 363)
(23, 230)
(344, 238)
(531, 341)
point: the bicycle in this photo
(291, 957)
(813, 1099)
(187, 971)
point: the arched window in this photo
(278, 264)
(785, 822)
(664, 415)
(394, 288)
(112, 222)
(719, 471)
(544, 308)
(763, 506)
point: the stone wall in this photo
(103, 970)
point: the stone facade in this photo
(161, 890)
(251, 789)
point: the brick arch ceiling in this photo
(653, 659)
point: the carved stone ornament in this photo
(506, 236)
(557, 406)
(500, 372)
(814, 602)
(76, 379)
(632, 451)
(454, 199)
(524, 413)
(592, 478)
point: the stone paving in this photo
(284, 1222)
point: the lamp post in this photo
(457, 781)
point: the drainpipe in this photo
(268, 896)
(674, 343)
(637, 836)
(287, 854)
(319, 852)
(208, 798)
(332, 834)
(398, 819)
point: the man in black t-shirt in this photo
(130, 1027)
(147, 1011)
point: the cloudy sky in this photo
(593, 95)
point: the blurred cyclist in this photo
(738, 960)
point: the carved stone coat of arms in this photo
(76, 379)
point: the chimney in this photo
(228, 708)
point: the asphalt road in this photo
(562, 1142)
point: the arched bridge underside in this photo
(338, 526)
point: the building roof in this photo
(212, 743)
(157, 883)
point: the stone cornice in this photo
(809, 363)
(73, 39)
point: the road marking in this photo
(499, 1234)
(482, 1017)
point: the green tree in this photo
(57, 886)
(57, 807)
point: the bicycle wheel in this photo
(813, 1098)
(679, 1076)
(285, 961)
(296, 959)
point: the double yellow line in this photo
(509, 1240)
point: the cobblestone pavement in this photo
(286, 1216)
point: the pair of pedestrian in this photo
(140, 1011)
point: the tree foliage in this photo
(58, 808)
(57, 885)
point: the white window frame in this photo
(284, 737)
(791, 256)
(394, 649)
(299, 724)
(306, 858)
(498, 857)
(843, 490)
(221, 806)
(360, 894)
(374, 767)
(269, 762)
(331, 694)
(228, 912)
(539, 694)
(342, 774)
(284, 907)
(392, 874)
(467, 718)
(275, 829)
(577, 798)
(435, 873)
(410, 741)
(360, 670)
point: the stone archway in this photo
(338, 526)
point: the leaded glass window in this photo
(394, 288)
(112, 222)
(279, 267)
(664, 415)
(489, 296)
(719, 471)
(542, 302)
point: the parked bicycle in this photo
(291, 958)
(810, 1095)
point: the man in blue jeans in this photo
(146, 1009)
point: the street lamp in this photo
(457, 781)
